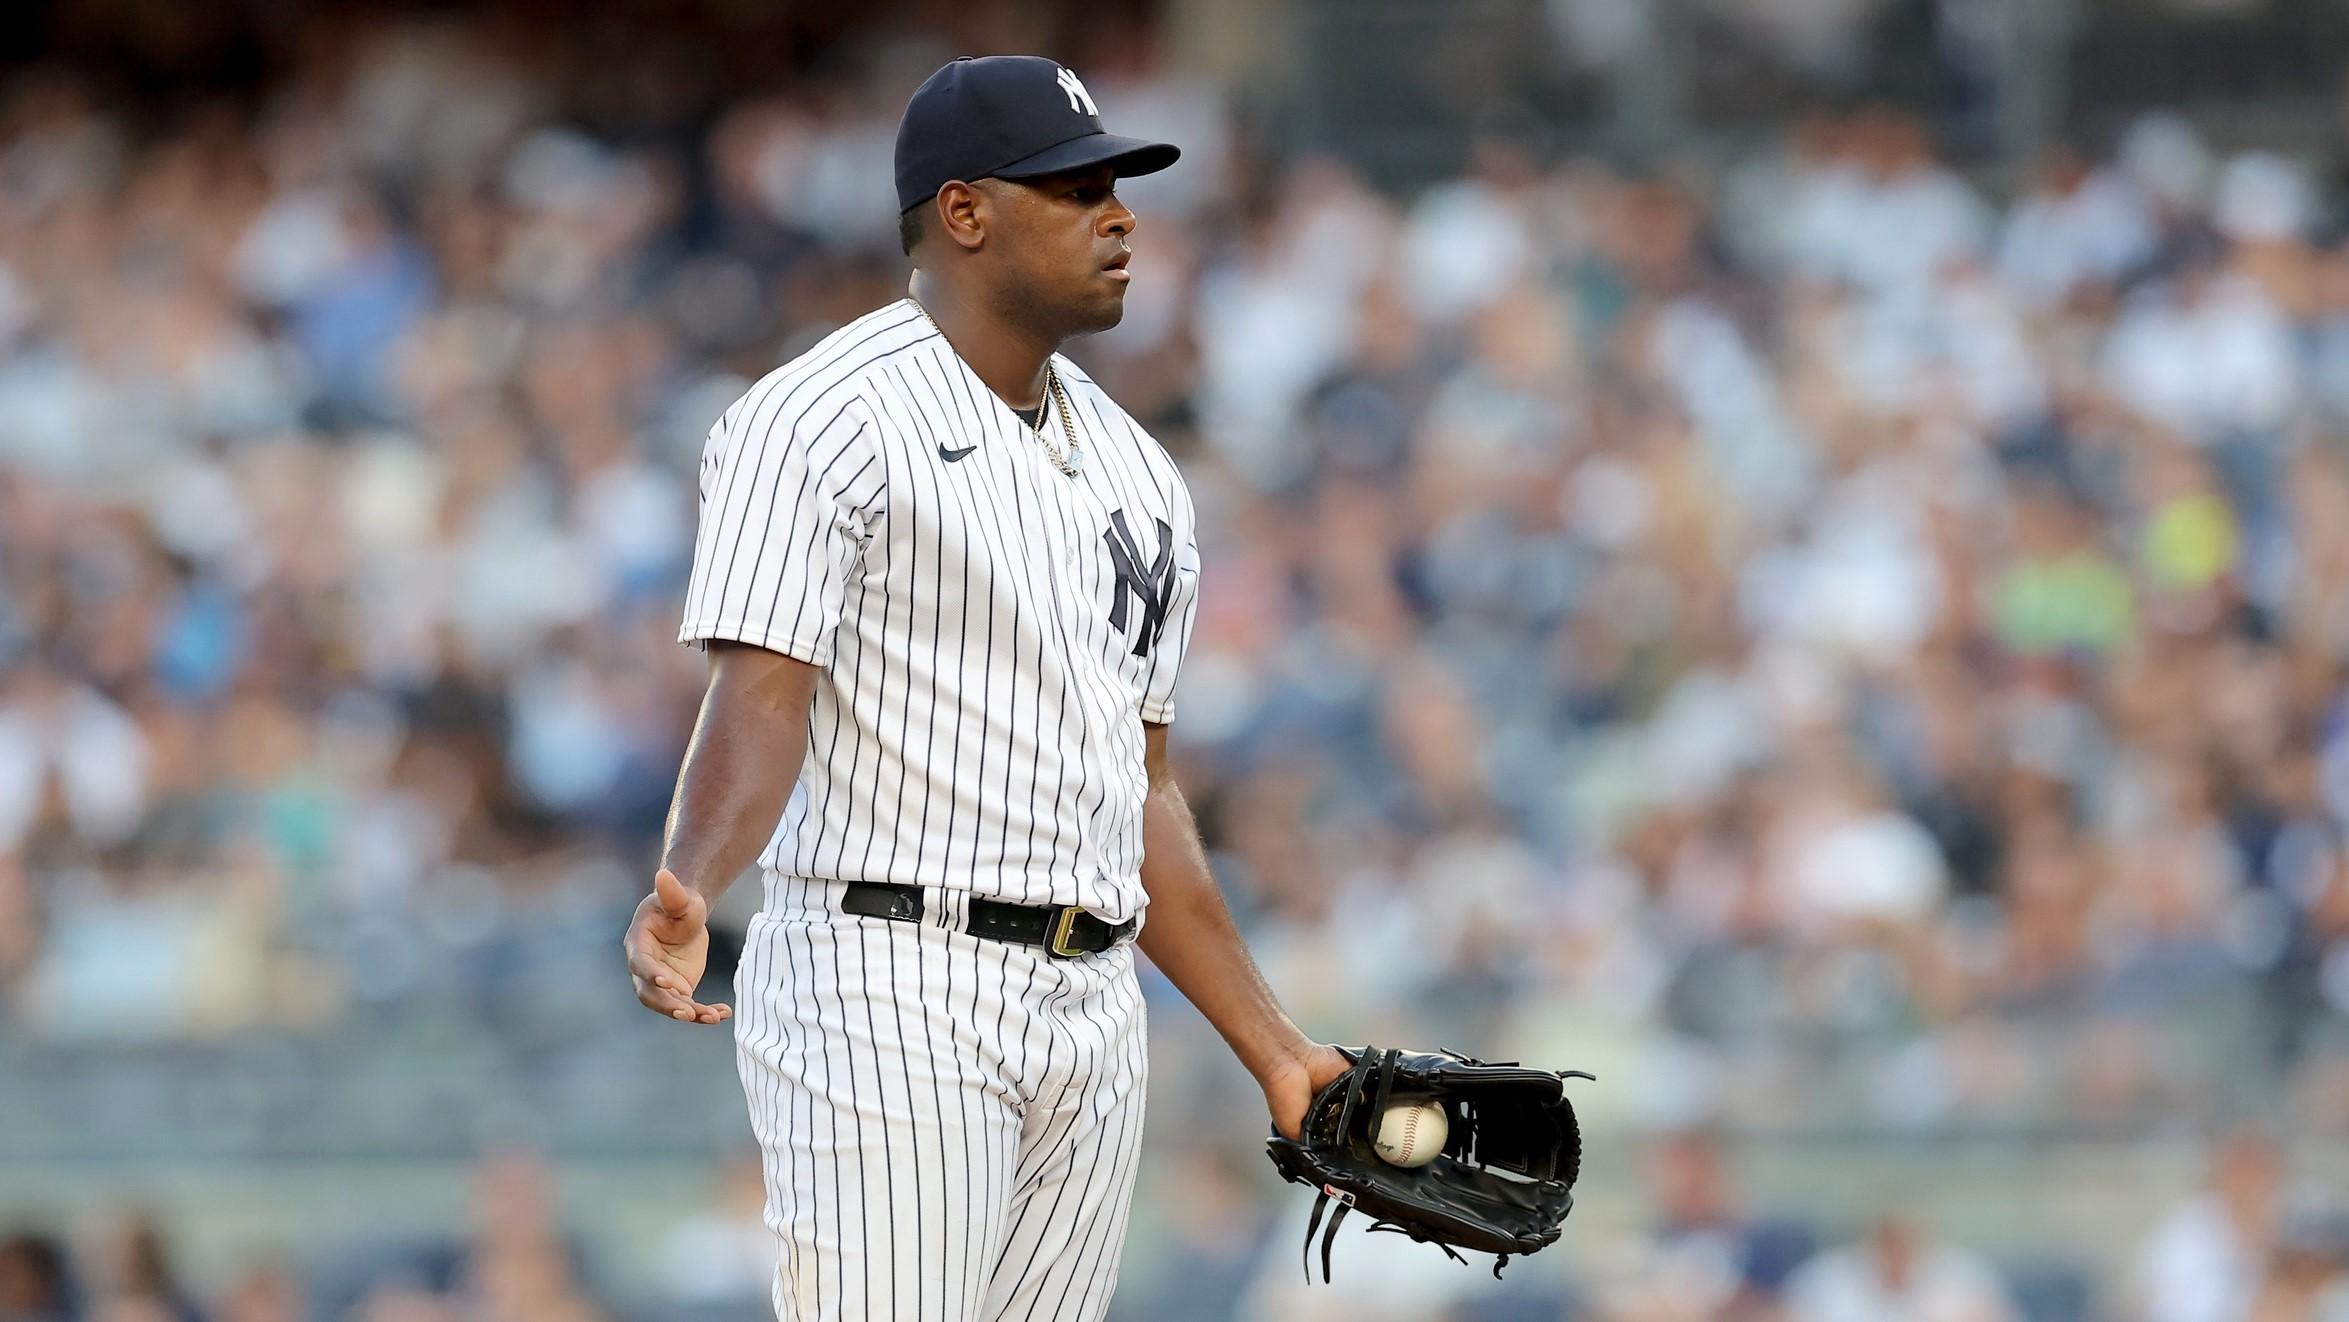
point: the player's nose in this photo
(1118, 220)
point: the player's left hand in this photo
(1290, 1085)
(668, 944)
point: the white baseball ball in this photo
(1413, 1133)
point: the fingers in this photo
(654, 976)
(683, 1010)
(664, 991)
(1287, 1127)
(661, 994)
(661, 1001)
(1287, 1102)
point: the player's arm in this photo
(1191, 938)
(739, 769)
(785, 513)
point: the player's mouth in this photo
(1115, 267)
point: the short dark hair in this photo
(909, 228)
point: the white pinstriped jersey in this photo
(993, 631)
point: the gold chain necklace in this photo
(1068, 461)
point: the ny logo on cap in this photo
(1079, 99)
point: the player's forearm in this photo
(1190, 936)
(739, 768)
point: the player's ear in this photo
(963, 214)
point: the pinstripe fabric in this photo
(981, 727)
(950, 1126)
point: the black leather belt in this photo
(1065, 931)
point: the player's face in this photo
(1068, 248)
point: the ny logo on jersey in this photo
(1079, 99)
(1152, 587)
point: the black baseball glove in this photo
(1502, 1184)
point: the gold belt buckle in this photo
(1064, 928)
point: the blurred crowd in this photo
(2245, 1246)
(1818, 642)
(510, 1257)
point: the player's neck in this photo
(1007, 357)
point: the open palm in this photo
(668, 946)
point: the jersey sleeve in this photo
(786, 507)
(1166, 659)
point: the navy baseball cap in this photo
(1008, 117)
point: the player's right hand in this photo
(668, 944)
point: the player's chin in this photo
(1105, 304)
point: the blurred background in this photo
(1791, 553)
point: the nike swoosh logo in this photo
(955, 456)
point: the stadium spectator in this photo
(2207, 1258)
(34, 1284)
(1896, 1275)
(132, 1274)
